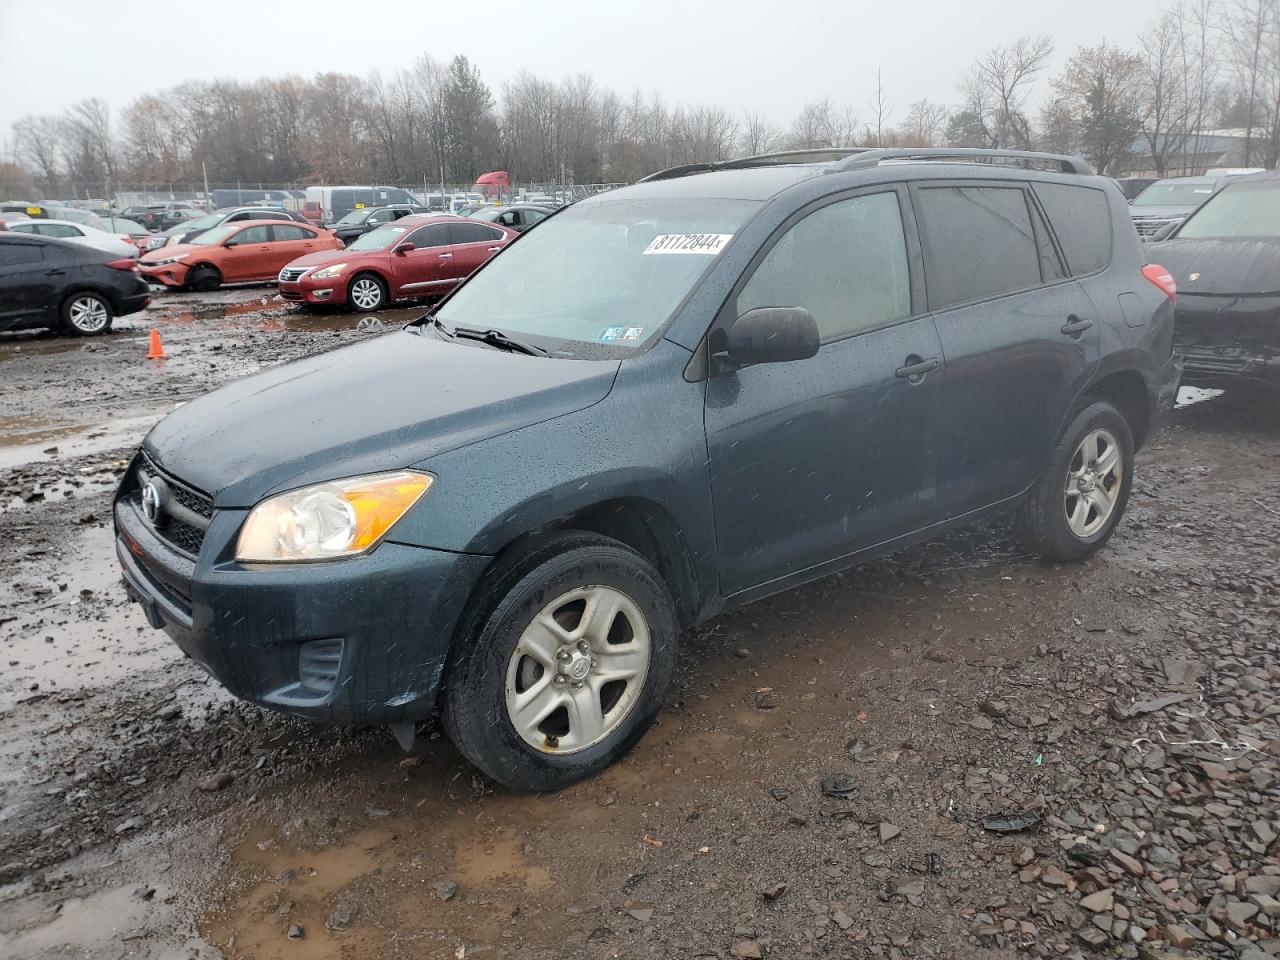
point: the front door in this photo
(249, 255)
(814, 459)
(427, 269)
(1018, 337)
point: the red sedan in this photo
(423, 255)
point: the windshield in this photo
(601, 280)
(356, 216)
(199, 223)
(1240, 210)
(215, 236)
(378, 239)
(1175, 194)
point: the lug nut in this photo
(558, 679)
(563, 654)
(577, 684)
(584, 646)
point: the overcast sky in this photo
(762, 54)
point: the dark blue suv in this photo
(666, 401)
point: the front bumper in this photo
(1213, 364)
(352, 642)
(301, 291)
(171, 275)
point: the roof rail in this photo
(874, 156)
(808, 155)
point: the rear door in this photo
(427, 269)
(249, 255)
(290, 241)
(812, 460)
(473, 244)
(1018, 336)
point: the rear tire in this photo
(1078, 501)
(204, 279)
(565, 655)
(86, 314)
(367, 292)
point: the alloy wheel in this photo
(1093, 483)
(577, 669)
(366, 294)
(88, 314)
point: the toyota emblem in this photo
(151, 501)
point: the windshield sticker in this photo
(620, 334)
(704, 243)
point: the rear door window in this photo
(474, 233)
(17, 254)
(1081, 219)
(432, 235)
(259, 234)
(979, 242)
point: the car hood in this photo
(1220, 267)
(1158, 213)
(320, 258)
(385, 404)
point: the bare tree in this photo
(812, 126)
(759, 135)
(37, 141)
(998, 86)
(924, 124)
(1251, 27)
(880, 110)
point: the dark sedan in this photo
(60, 285)
(363, 219)
(1225, 259)
(517, 216)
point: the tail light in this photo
(124, 263)
(1162, 278)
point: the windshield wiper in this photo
(496, 338)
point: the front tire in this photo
(204, 279)
(366, 292)
(1078, 502)
(567, 652)
(86, 314)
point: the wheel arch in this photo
(640, 523)
(1127, 391)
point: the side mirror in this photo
(403, 248)
(773, 335)
(1163, 232)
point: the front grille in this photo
(1147, 228)
(183, 522)
(290, 274)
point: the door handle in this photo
(494, 249)
(55, 273)
(915, 367)
(446, 256)
(1076, 325)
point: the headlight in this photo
(329, 272)
(168, 260)
(337, 519)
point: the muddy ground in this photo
(816, 786)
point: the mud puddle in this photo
(25, 440)
(72, 628)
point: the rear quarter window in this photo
(1081, 219)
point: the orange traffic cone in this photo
(156, 352)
